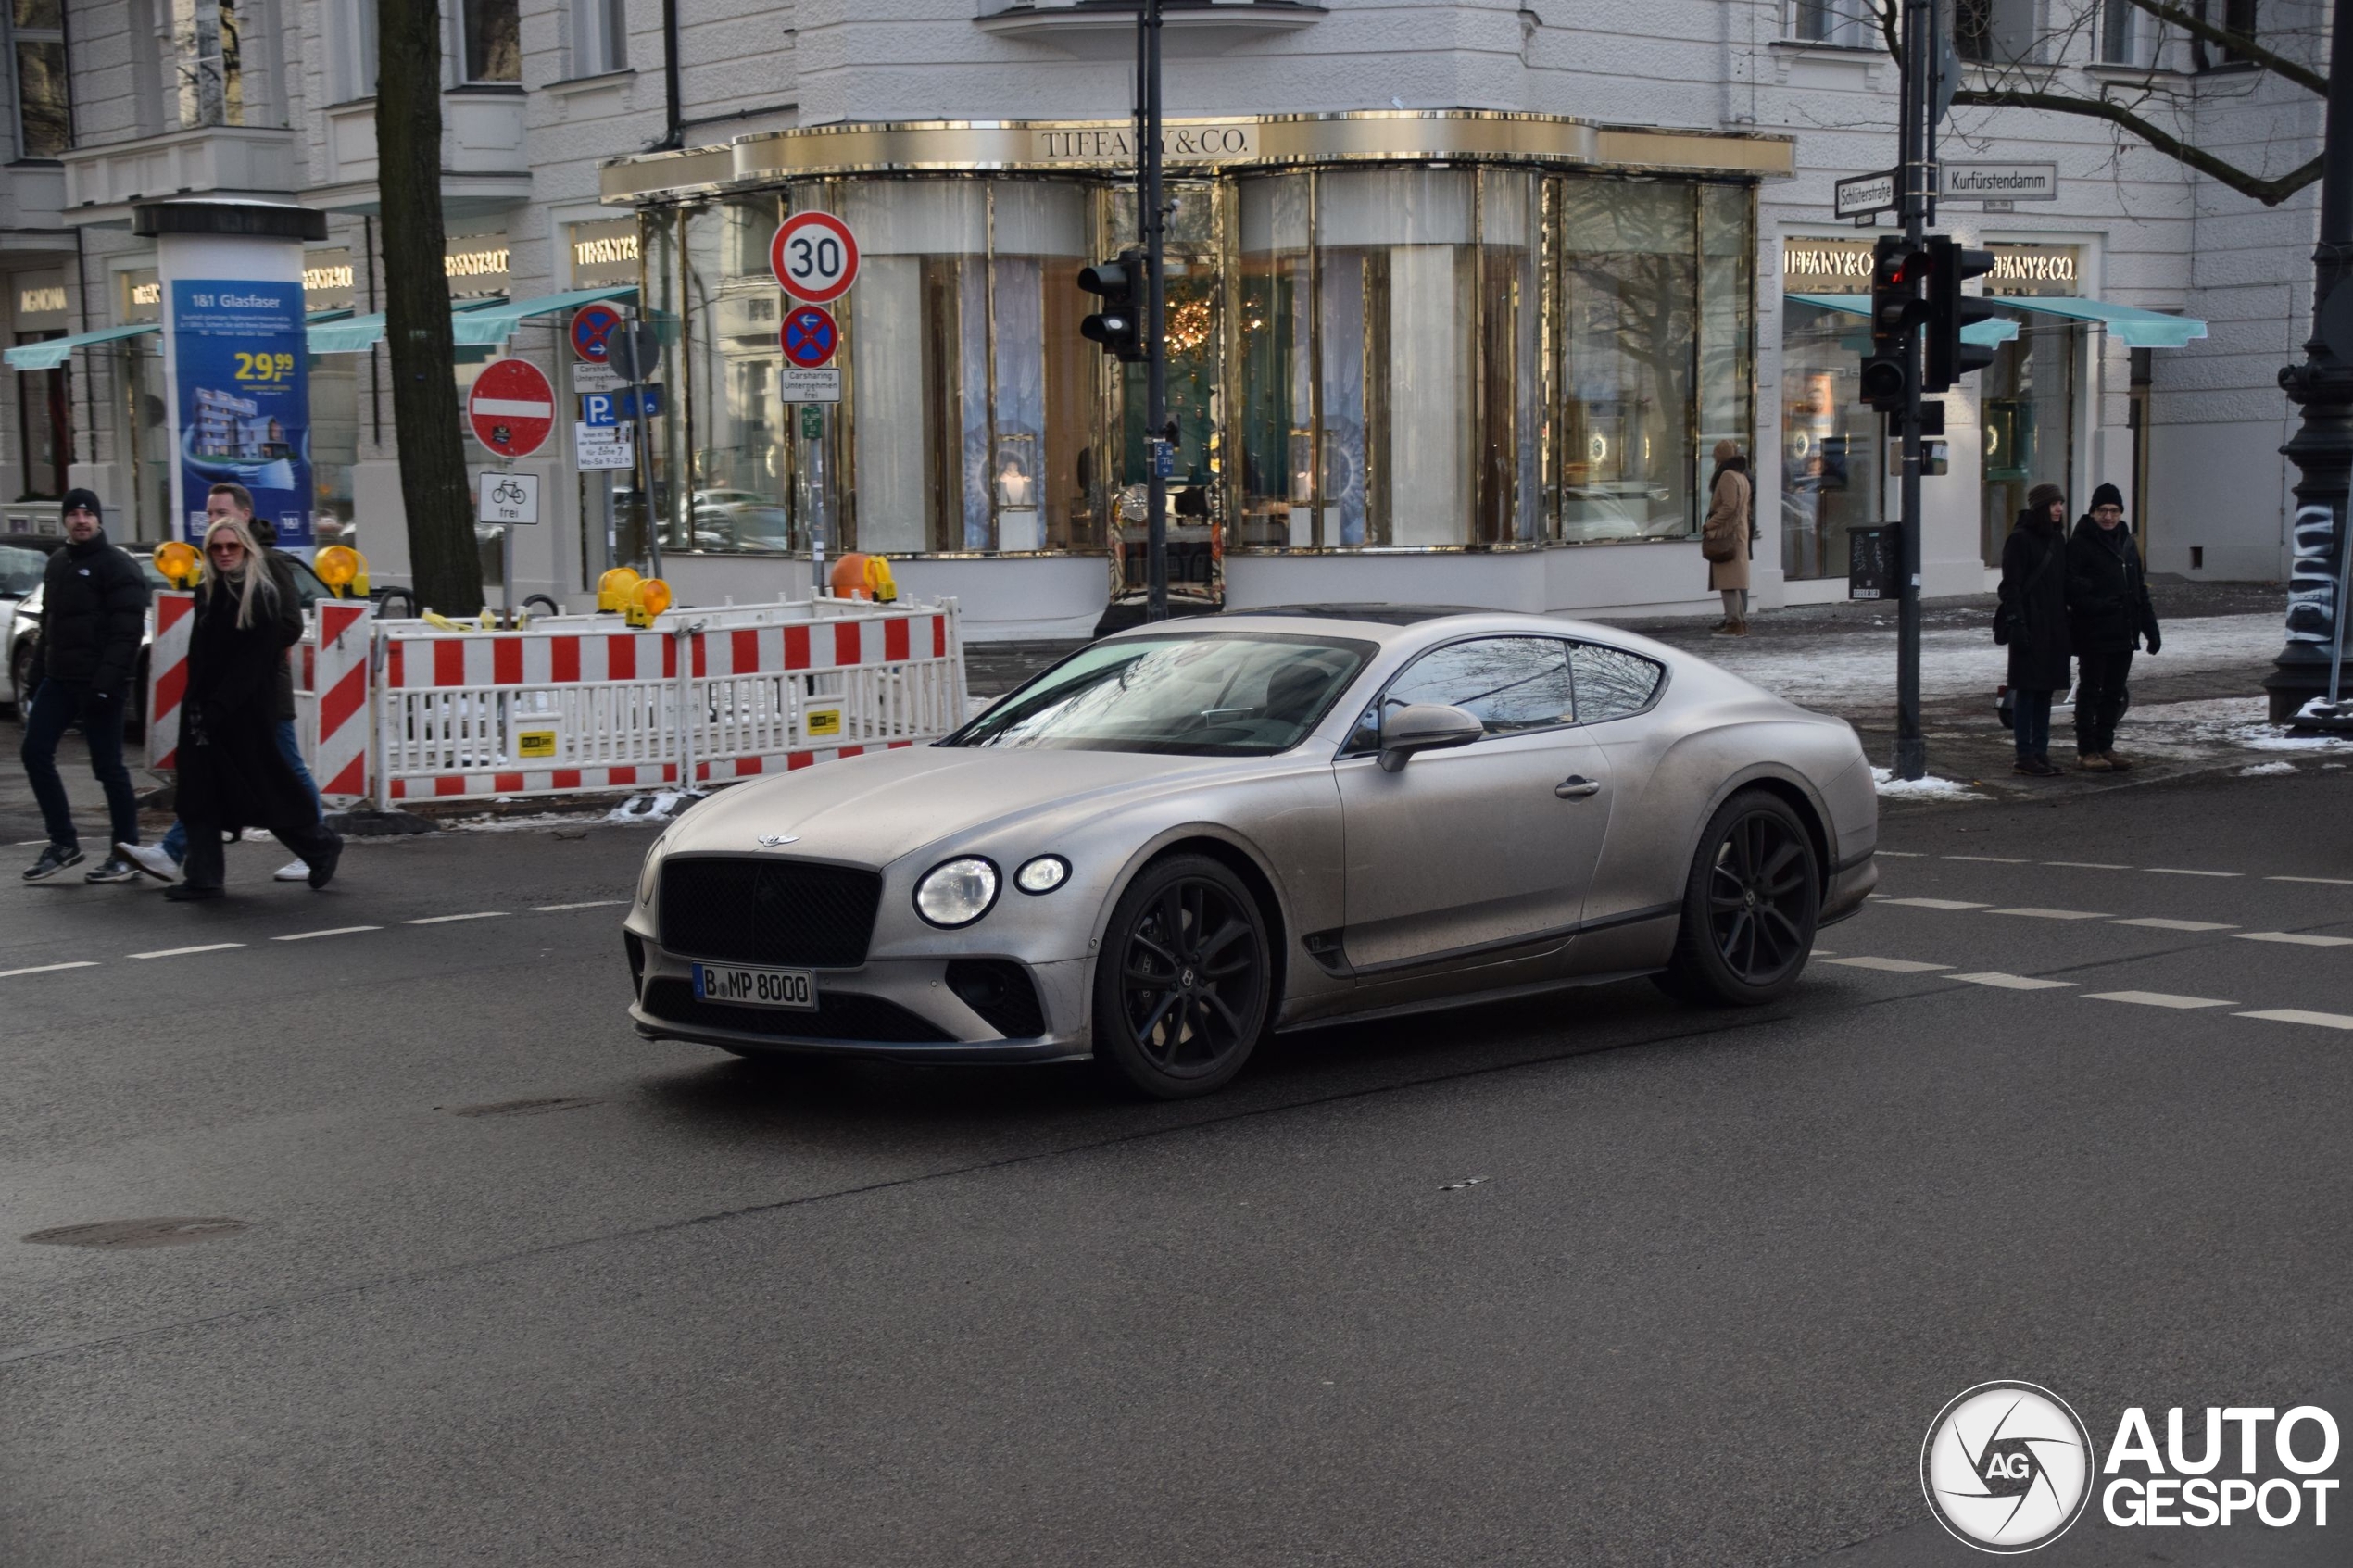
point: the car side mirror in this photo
(1426, 726)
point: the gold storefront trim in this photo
(1225, 142)
(1099, 552)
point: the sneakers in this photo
(150, 859)
(189, 893)
(2117, 764)
(54, 858)
(293, 871)
(116, 869)
(2094, 762)
(324, 871)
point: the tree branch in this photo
(2237, 43)
(2270, 192)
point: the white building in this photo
(1469, 288)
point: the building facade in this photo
(1463, 294)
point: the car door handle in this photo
(1577, 787)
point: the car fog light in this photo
(956, 892)
(1043, 874)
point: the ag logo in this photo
(2007, 1467)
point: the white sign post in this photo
(506, 500)
(603, 446)
(1865, 194)
(797, 385)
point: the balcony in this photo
(483, 167)
(31, 197)
(215, 160)
(1106, 29)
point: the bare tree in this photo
(442, 555)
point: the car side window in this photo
(1612, 682)
(1507, 683)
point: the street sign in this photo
(1865, 194)
(592, 329)
(810, 336)
(797, 385)
(596, 408)
(2001, 181)
(607, 409)
(815, 257)
(508, 497)
(511, 408)
(600, 447)
(812, 418)
(1871, 562)
(586, 377)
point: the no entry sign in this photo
(511, 408)
(815, 257)
(810, 336)
(592, 329)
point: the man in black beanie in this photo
(2108, 616)
(93, 608)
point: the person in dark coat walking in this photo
(232, 773)
(2032, 623)
(94, 611)
(2109, 615)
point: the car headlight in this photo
(956, 892)
(1043, 874)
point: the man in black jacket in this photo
(93, 609)
(2109, 614)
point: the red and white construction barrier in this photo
(337, 654)
(778, 697)
(175, 614)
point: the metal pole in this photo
(1915, 155)
(1156, 442)
(2322, 386)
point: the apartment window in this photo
(204, 44)
(2125, 32)
(1995, 32)
(2232, 15)
(599, 36)
(492, 40)
(355, 54)
(1843, 22)
(44, 126)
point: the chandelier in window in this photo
(1187, 325)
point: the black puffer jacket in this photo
(94, 610)
(2108, 598)
(2032, 617)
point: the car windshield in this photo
(1214, 694)
(21, 571)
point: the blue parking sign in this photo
(596, 408)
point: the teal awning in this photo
(2129, 324)
(357, 334)
(495, 324)
(1988, 333)
(50, 353)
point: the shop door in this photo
(1192, 328)
(44, 425)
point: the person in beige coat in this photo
(1724, 538)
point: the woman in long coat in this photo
(1724, 537)
(231, 773)
(2033, 623)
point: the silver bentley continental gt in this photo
(1187, 835)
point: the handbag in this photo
(1717, 549)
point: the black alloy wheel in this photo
(1181, 990)
(18, 676)
(1750, 905)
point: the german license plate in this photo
(739, 987)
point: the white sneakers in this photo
(293, 871)
(150, 858)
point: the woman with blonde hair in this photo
(231, 773)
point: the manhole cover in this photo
(524, 1107)
(123, 1235)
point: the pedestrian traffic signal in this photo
(1950, 312)
(1118, 326)
(1895, 308)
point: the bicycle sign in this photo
(511, 408)
(815, 255)
(508, 497)
(810, 336)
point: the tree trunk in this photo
(443, 555)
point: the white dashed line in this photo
(2323, 881)
(2295, 938)
(48, 968)
(2089, 865)
(2297, 1015)
(183, 952)
(1892, 966)
(1989, 859)
(1930, 903)
(2052, 914)
(1900, 854)
(331, 930)
(592, 904)
(1820, 953)
(2156, 924)
(444, 920)
(2156, 999)
(2179, 870)
(2001, 981)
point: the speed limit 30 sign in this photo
(815, 255)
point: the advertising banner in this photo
(244, 396)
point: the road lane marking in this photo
(183, 952)
(2323, 881)
(1819, 953)
(2179, 870)
(1892, 966)
(592, 904)
(331, 930)
(2295, 937)
(2090, 865)
(1891, 854)
(2297, 1015)
(444, 920)
(2156, 924)
(1989, 859)
(2156, 999)
(1996, 979)
(1930, 903)
(2052, 914)
(48, 968)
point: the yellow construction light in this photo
(339, 567)
(614, 588)
(179, 561)
(649, 598)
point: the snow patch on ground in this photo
(1895, 788)
(2267, 770)
(2192, 731)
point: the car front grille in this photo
(868, 1020)
(768, 912)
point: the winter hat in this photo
(2040, 498)
(76, 499)
(2108, 496)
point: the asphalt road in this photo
(1589, 1280)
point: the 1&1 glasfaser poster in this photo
(243, 393)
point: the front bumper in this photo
(1847, 890)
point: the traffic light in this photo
(1895, 307)
(1118, 326)
(1950, 264)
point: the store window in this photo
(2027, 403)
(204, 48)
(1628, 360)
(44, 121)
(44, 429)
(492, 41)
(1831, 478)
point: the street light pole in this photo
(1915, 176)
(2322, 386)
(1151, 211)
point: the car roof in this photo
(1373, 614)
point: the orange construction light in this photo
(179, 561)
(614, 588)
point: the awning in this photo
(50, 353)
(357, 334)
(2129, 324)
(496, 323)
(1989, 334)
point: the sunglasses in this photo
(226, 547)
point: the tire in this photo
(1750, 906)
(1177, 1016)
